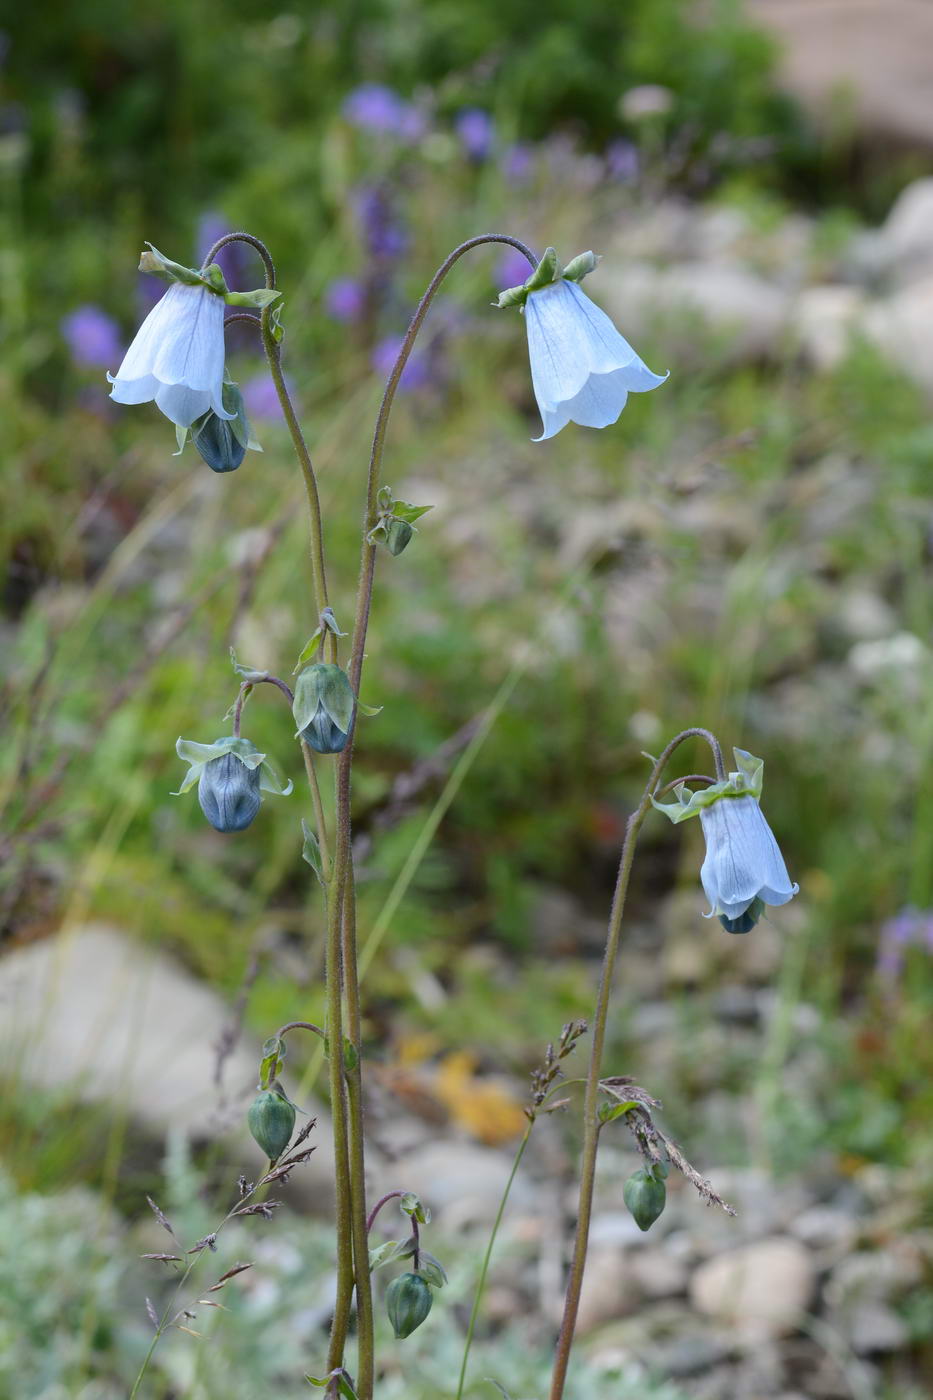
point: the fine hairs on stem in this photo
(573, 381)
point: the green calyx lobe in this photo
(211, 277)
(547, 272)
(745, 781)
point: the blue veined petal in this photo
(177, 357)
(558, 346)
(228, 792)
(608, 349)
(743, 861)
(581, 367)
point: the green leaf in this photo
(311, 850)
(608, 1112)
(249, 673)
(263, 296)
(308, 650)
(391, 1251)
(273, 1053)
(401, 510)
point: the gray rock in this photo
(878, 54)
(609, 1288)
(115, 1022)
(760, 1289)
(461, 1181)
(658, 1273)
(872, 1327)
(901, 326)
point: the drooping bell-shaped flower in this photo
(582, 369)
(744, 869)
(231, 775)
(177, 357)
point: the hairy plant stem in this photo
(342, 878)
(590, 1104)
(366, 1362)
(336, 872)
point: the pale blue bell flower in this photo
(582, 369)
(229, 793)
(743, 862)
(177, 357)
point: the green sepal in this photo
(158, 265)
(744, 781)
(344, 1386)
(431, 1269)
(181, 437)
(580, 266)
(199, 755)
(273, 1053)
(328, 686)
(547, 271)
(403, 510)
(263, 296)
(275, 322)
(311, 850)
(369, 710)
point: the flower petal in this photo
(743, 861)
(177, 357)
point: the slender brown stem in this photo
(253, 242)
(590, 1105)
(364, 1293)
(340, 1324)
(368, 558)
(299, 1026)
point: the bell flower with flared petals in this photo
(744, 869)
(582, 369)
(177, 357)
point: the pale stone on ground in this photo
(761, 1289)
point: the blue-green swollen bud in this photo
(231, 775)
(323, 707)
(644, 1195)
(408, 1302)
(745, 922)
(228, 792)
(271, 1120)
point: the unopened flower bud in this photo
(408, 1302)
(218, 445)
(746, 921)
(271, 1120)
(228, 792)
(645, 1196)
(323, 707)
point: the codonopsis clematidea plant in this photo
(582, 371)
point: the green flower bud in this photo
(398, 535)
(271, 1120)
(323, 707)
(645, 1196)
(408, 1302)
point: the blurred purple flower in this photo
(416, 373)
(512, 269)
(622, 161)
(234, 259)
(383, 235)
(910, 926)
(345, 299)
(477, 131)
(517, 163)
(375, 107)
(260, 398)
(93, 337)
